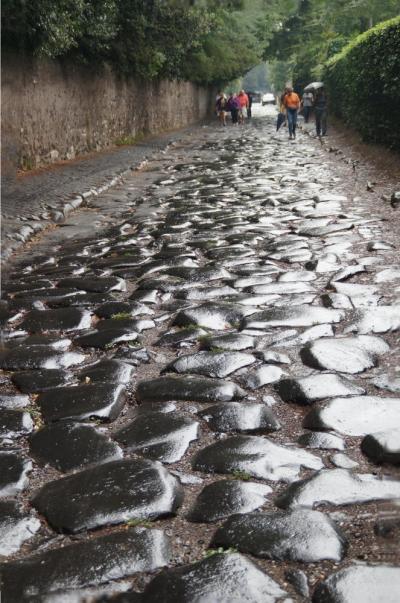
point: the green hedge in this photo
(363, 82)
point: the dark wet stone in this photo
(106, 338)
(377, 320)
(233, 342)
(211, 364)
(175, 338)
(293, 316)
(159, 436)
(212, 316)
(236, 416)
(37, 357)
(357, 416)
(13, 473)
(360, 584)
(14, 423)
(299, 535)
(112, 308)
(94, 285)
(31, 382)
(337, 487)
(55, 342)
(392, 384)
(101, 400)
(68, 446)
(90, 562)
(306, 390)
(298, 580)
(223, 577)
(345, 354)
(227, 497)
(111, 371)
(15, 527)
(256, 456)
(322, 440)
(64, 319)
(188, 388)
(383, 447)
(265, 375)
(110, 493)
(13, 402)
(136, 325)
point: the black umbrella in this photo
(280, 120)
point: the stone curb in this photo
(32, 228)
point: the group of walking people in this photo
(238, 105)
(291, 104)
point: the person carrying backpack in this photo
(292, 103)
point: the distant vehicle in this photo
(268, 99)
(257, 96)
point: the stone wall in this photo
(54, 110)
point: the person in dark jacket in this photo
(321, 111)
(233, 105)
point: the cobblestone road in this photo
(200, 387)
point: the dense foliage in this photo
(201, 40)
(364, 83)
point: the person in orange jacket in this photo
(291, 101)
(244, 103)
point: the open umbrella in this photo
(313, 86)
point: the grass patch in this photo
(219, 551)
(242, 475)
(138, 522)
(128, 140)
(121, 315)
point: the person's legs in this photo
(306, 112)
(318, 117)
(234, 113)
(290, 119)
(294, 123)
(324, 124)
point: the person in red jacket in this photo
(292, 103)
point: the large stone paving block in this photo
(377, 320)
(106, 338)
(100, 400)
(256, 456)
(337, 487)
(95, 285)
(306, 390)
(63, 319)
(159, 436)
(111, 493)
(67, 446)
(300, 535)
(235, 416)
(212, 316)
(31, 382)
(107, 371)
(188, 388)
(293, 316)
(226, 578)
(13, 473)
(14, 423)
(345, 354)
(15, 527)
(227, 497)
(91, 562)
(360, 584)
(37, 357)
(210, 364)
(383, 447)
(357, 416)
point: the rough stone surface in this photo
(337, 487)
(360, 584)
(188, 388)
(347, 355)
(299, 535)
(110, 493)
(256, 456)
(297, 316)
(13, 473)
(210, 364)
(225, 578)
(320, 439)
(383, 447)
(227, 497)
(307, 390)
(14, 423)
(241, 417)
(356, 416)
(101, 400)
(265, 375)
(32, 382)
(81, 564)
(69, 446)
(15, 527)
(64, 319)
(159, 436)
